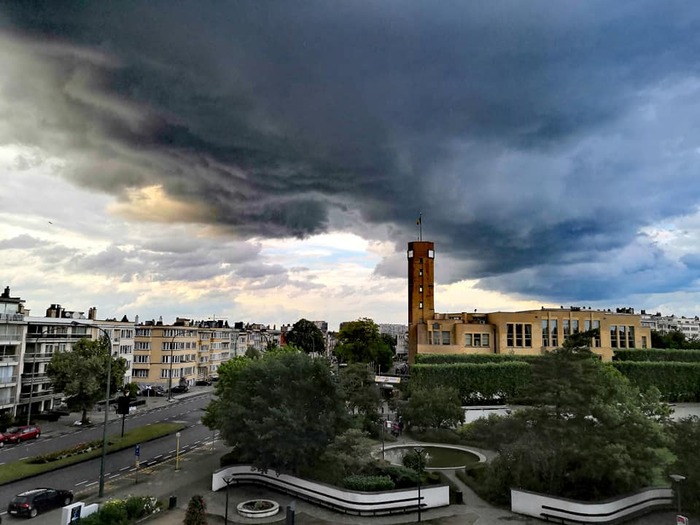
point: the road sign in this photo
(681, 520)
(137, 450)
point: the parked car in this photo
(180, 389)
(24, 433)
(32, 502)
(202, 382)
(3, 440)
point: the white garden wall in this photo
(372, 503)
(570, 511)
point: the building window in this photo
(644, 341)
(431, 254)
(630, 337)
(554, 339)
(141, 358)
(484, 339)
(574, 326)
(445, 338)
(596, 337)
(622, 336)
(468, 340)
(420, 305)
(477, 339)
(613, 336)
(545, 333)
(519, 335)
(420, 288)
(139, 372)
(567, 328)
(143, 345)
(420, 272)
(410, 254)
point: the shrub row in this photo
(123, 512)
(476, 383)
(675, 380)
(368, 483)
(683, 356)
(505, 381)
(436, 359)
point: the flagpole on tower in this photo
(419, 222)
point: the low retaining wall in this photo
(568, 511)
(348, 501)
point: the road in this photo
(83, 478)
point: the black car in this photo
(32, 502)
(180, 389)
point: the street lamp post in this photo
(677, 479)
(177, 451)
(228, 480)
(107, 396)
(419, 453)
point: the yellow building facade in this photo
(531, 332)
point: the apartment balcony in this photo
(7, 402)
(38, 395)
(9, 358)
(39, 357)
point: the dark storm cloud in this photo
(531, 135)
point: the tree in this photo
(391, 341)
(437, 407)
(81, 373)
(279, 411)
(307, 336)
(686, 436)
(360, 393)
(252, 353)
(360, 342)
(587, 435)
(196, 513)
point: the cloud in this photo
(539, 144)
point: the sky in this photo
(267, 161)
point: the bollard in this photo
(172, 502)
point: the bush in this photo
(403, 477)
(112, 512)
(196, 511)
(368, 483)
(123, 512)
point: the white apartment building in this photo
(688, 326)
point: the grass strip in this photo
(17, 470)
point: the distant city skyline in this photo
(219, 159)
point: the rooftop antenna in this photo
(419, 222)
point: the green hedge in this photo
(504, 379)
(368, 483)
(437, 359)
(675, 355)
(677, 381)
(476, 383)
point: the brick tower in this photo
(421, 296)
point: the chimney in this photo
(92, 313)
(53, 310)
(6, 293)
